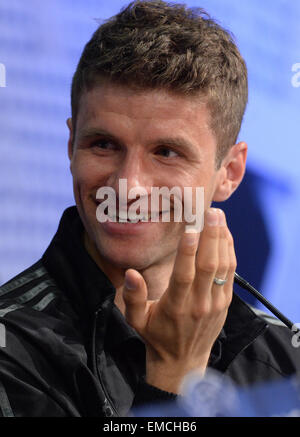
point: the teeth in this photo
(132, 218)
(136, 218)
(123, 217)
(155, 215)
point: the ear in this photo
(231, 172)
(70, 140)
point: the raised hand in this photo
(181, 327)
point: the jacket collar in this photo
(75, 272)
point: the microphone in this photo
(244, 284)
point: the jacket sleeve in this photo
(148, 394)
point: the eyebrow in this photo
(174, 141)
(182, 142)
(94, 132)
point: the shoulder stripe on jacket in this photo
(39, 306)
(23, 280)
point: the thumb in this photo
(135, 298)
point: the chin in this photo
(126, 260)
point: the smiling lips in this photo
(135, 218)
(123, 225)
(127, 217)
(125, 228)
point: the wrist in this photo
(169, 376)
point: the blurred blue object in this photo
(217, 396)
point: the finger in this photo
(184, 269)
(223, 264)
(135, 299)
(228, 288)
(207, 259)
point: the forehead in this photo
(155, 107)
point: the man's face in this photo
(152, 138)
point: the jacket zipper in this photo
(107, 405)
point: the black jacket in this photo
(69, 351)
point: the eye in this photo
(166, 152)
(104, 144)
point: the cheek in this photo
(206, 182)
(83, 182)
(209, 192)
(86, 173)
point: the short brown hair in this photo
(155, 44)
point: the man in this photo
(117, 313)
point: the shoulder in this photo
(34, 314)
(33, 288)
(40, 345)
(30, 298)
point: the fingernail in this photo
(222, 220)
(212, 217)
(191, 237)
(129, 283)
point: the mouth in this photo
(124, 223)
(123, 218)
(119, 227)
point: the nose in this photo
(132, 168)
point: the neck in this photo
(156, 276)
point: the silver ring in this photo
(219, 281)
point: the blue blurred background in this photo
(40, 44)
